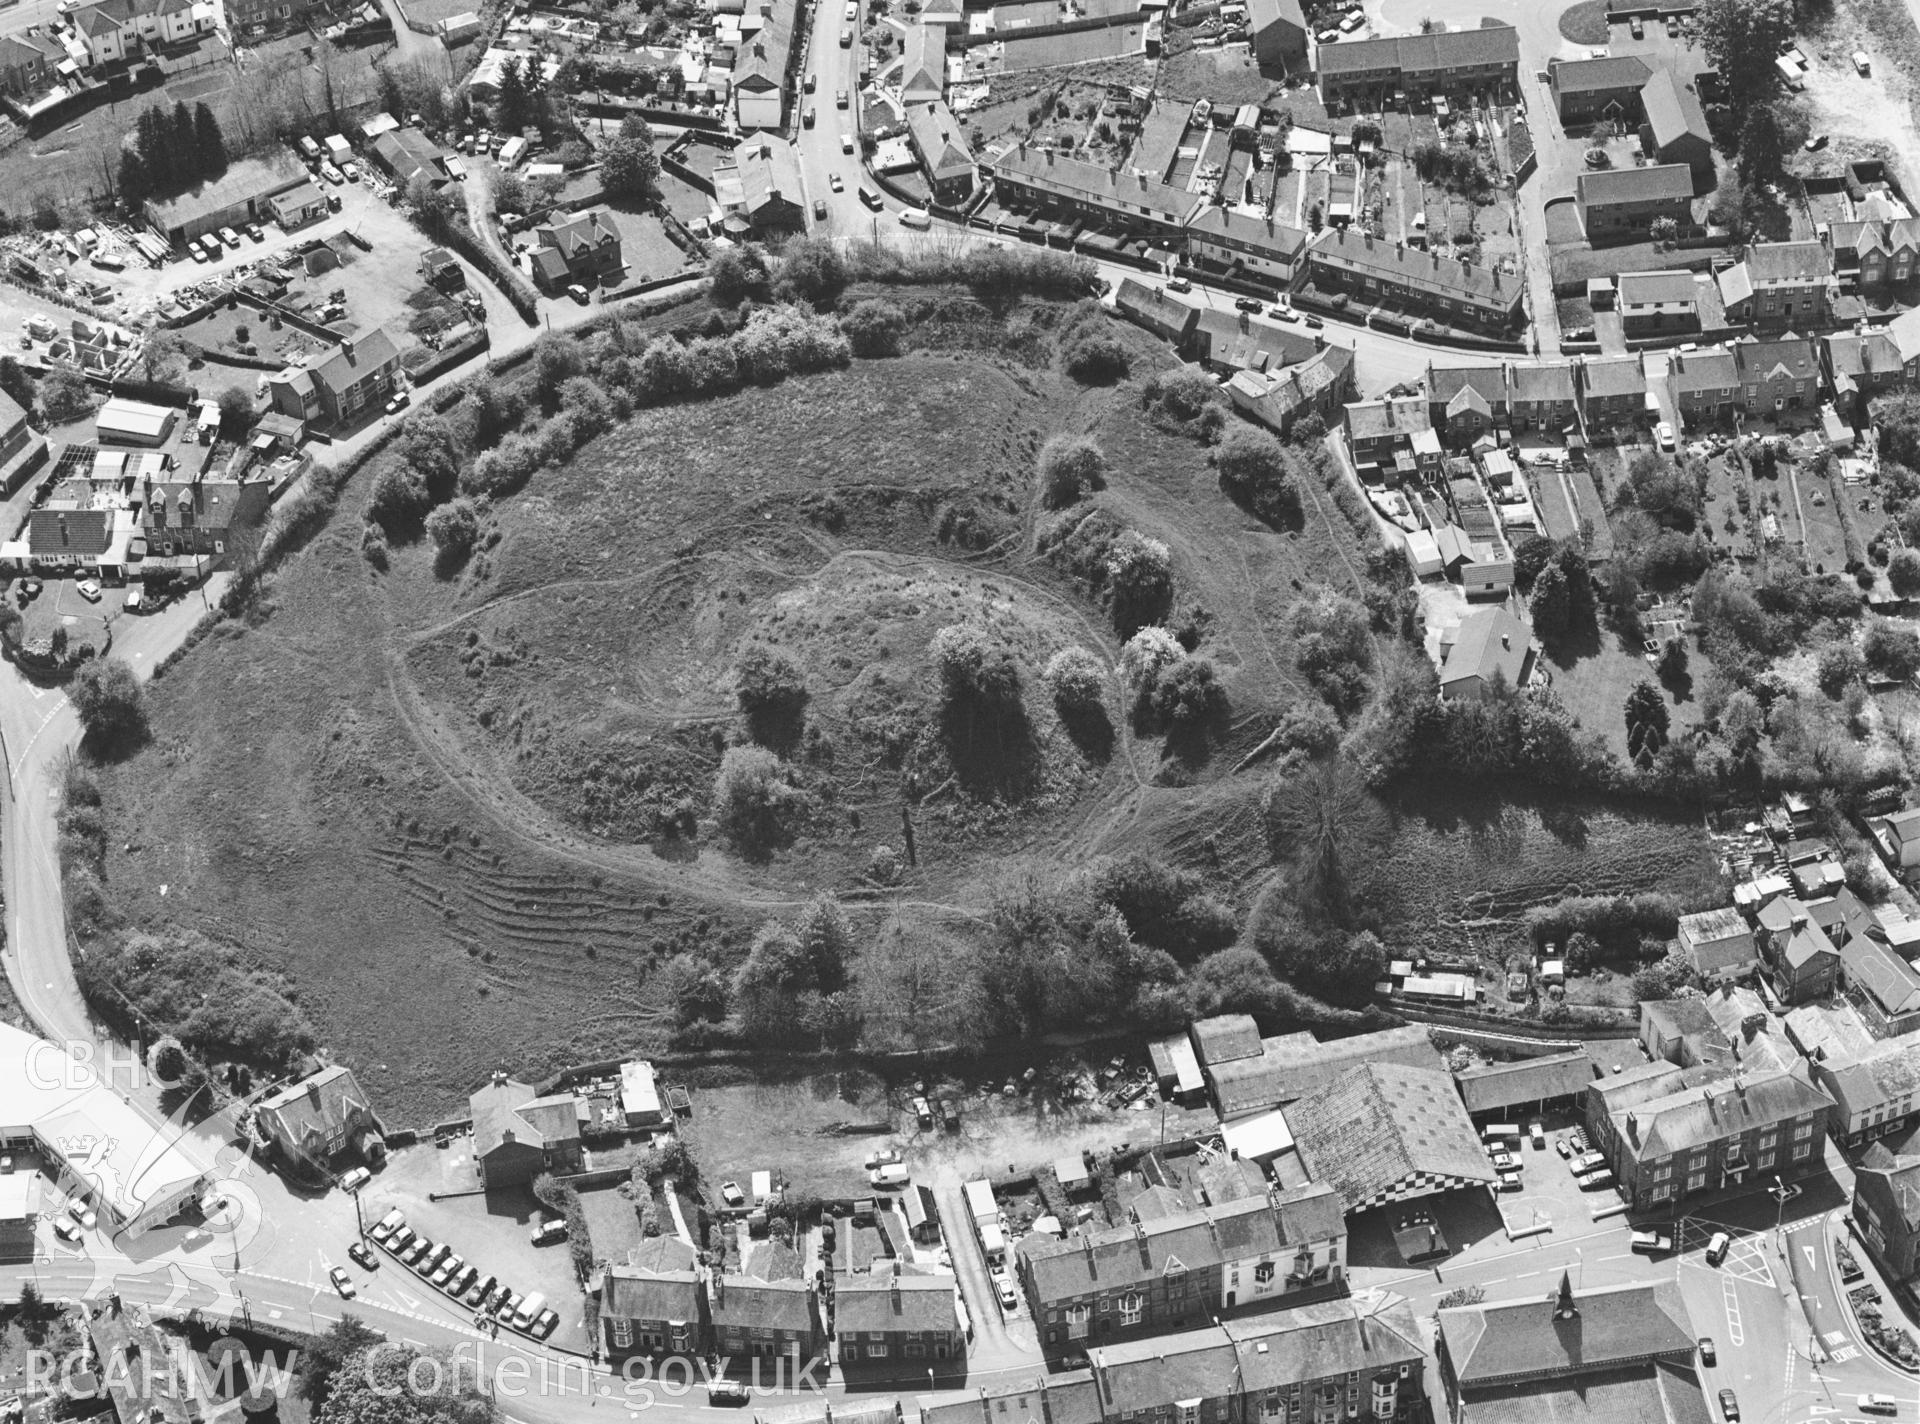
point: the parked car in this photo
(578, 293)
(893, 1174)
(350, 171)
(1586, 1162)
(545, 1323)
(885, 1157)
(1707, 1352)
(1651, 1243)
(444, 1273)
(1509, 1182)
(362, 1256)
(731, 1194)
(342, 1282)
(1878, 1404)
(1663, 433)
(1248, 304)
(478, 1292)
(1538, 1135)
(1312, 323)
(254, 232)
(401, 400)
(230, 237)
(1179, 284)
(846, 143)
(1003, 1287)
(67, 1231)
(356, 1179)
(417, 1252)
(193, 251)
(88, 589)
(1281, 314)
(82, 1213)
(1502, 1161)
(402, 1241)
(1729, 1407)
(1717, 1248)
(726, 1391)
(332, 175)
(381, 1232)
(462, 1278)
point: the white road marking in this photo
(1732, 1301)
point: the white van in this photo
(529, 1310)
(890, 1174)
(1879, 1404)
(917, 218)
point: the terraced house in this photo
(1860, 365)
(1886, 1206)
(1244, 245)
(1370, 270)
(1542, 396)
(1465, 402)
(1334, 1361)
(884, 1318)
(1036, 178)
(1613, 392)
(1872, 252)
(1451, 61)
(1704, 384)
(1179, 1270)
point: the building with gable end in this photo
(321, 1119)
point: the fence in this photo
(449, 357)
(1492, 1023)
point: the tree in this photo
(734, 274)
(1324, 822)
(1077, 680)
(210, 146)
(132, 178)
(1530, 556)
(754, 802)
(402, 1384)
(398, 502)
(812, 271)
(1664, 231)
(628, 164)
(826, 937)
(106, 696)
(65, 396)
(772, 692)
(974, 670)
(1647, 721)
(1071, 468)
(874, 328)
(1253, 472)
(511, 107)
(1673, 662)
(1892, 651)
(1742, 38)
(1094, 359)
(185, 139)
(1189, 696)
(1903, 573)
(694, 991)
(1139, 574)
(346, 1337)
(236, 411)
(1316, 217)
(1763, 145)
(432, 207)
(1333, 646)
(1550, 605)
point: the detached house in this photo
(1802, 961)
(942, 148)
(1624, 202)
(1466, 402)
(321, 1119)
(1777, 375)
(1657, 303)
(27, 64)
(1873, 252)
(583, 248)
(517, 1134)
(359, 375)
(1780, 284)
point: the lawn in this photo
(1595, 685)
(1222, 75)
(1585, 23)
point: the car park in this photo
(1707, 1353)
(1717, 1248)
(362, 1256)
(342, 1282)
(478, 1292)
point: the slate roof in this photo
(1070, 1398)
(1289, 1067)
(1124, 192)
(1214, 220)
(1390, 415)
(1874, 967)
(1658, 289)
(1490, 640)
(1694, 1117)
(1133, 1253)
(1851, 354)
(350, 363)
(1552, 382)
(1421, 54)
(769, 172)
(1673, 110)
(1711, 368)
(923, 72)
(1232, 338)
(871, 1303)
(1157, 305)
(1886, 1074)
(659, 1283)
(1529, 1080)
(325, 1104)
(1225, 1037)
(760, 63)
(1324, 1341)
(1788, 358)
(1160, 1371)
(1614, 376)
(1787, 262)
(938, 138)
(1261, 14)
(1348, 250)
(1584, 76)
(1488, 382)
(742, 1302)
(1380, 1124)
(580, 234)
(405, 152)
(1660, 181)
(512, 1111)
(1521, 1339)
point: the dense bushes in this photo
(1094, 359)
(107, 698)
(1139, 578)
(755, 802)
(1071, 468)
(1163, 907)
(1185, 402)
(975, 671)
(793, 986)
(1252, 466)
(1078, 681)
(206, 995)
(772, 692)
(563, 1199)
(1616, 922)
(874, 328)
(1333, 647)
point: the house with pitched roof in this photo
(1383, 1133)
(941, 146)
(1491, 648)
(517, 1134)
(1613, 392)
(1318, 386)
(1612, 1353)
(1244, 245)
(923, 70)
(761, 66)
(1780, 284)
(28, 63)
(1226, 341)
(1803, 963)
(1369, 270)
(1886, 1207)
(1719, 942)
(1714, 1135)
(1163, 313)
(1873, 1091)
(357, 375)
(1873, 252)
(1657, 303)
(883, 1318)
(758, 190)
(1337, 1359)
(1704, 385)
(406, 153)
(1380, 431)
(1542, 396)
(1446, 61)
(1174, 1266)
(1777, 374)
(1884, 987)
(1620, 204)
(1860, 365)
(322, 1119)
(1279, 33)
(1466, 402)
(1674, 129)
(1505, 1092)
(1682, 1032)
(1069, 1397)
(766, 1308)
(583, 248)
(1585, 90)
(1027, 176)
(1290, 1066)
(651, 1303)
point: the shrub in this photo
(1903, 573)
(1077, 681)
(1892, 651)
(1071, 467)
(812, 271)
(398, 501)
(1139, 574)
(1096, 360)
(1146, 654)
(1253, 472)
(1188, 696)
(772, 692)
(874, 328)
(755, 805)
(454, 527)
(1185, 402)
(734, 274)
(106, 697)
(974, 669)
(1164, 907)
